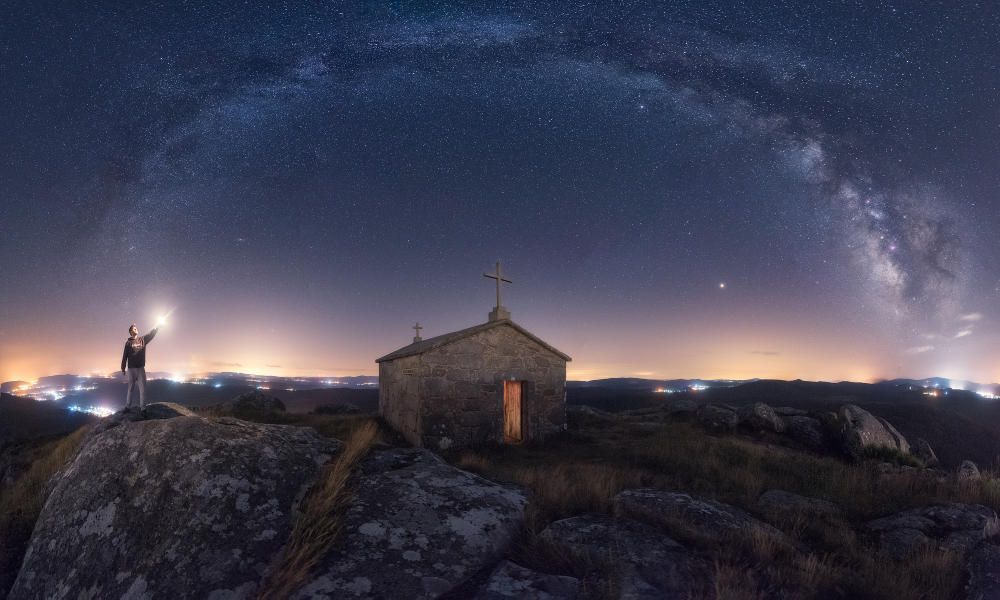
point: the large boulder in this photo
(956, 527)
(863, 431)
(968, 471)
(984, 573)
(416, 527)
(705, 518)
(175, 508)
(515, 582)
(806, 431)
(717, 419)
(680, 406)
(761, 417)
(644, 561)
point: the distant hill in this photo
(24, 419)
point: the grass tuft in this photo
(319, 521)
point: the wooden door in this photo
(512, 433)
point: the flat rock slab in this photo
(954, 526)
(510, 580)
(175, 508)
(706, 518)
(416, 528)
(645, 561)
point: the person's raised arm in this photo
(149, 336)
(124, 357)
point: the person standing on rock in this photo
(134, 364)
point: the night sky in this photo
(680, 189)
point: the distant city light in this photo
(697, 387)
(100, 411)
(663, 390)
(217, 385)
(987, 395)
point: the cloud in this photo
(971, 317)
(765, 352)
(963, 333)
(919, 349)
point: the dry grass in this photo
(22, 503)
(582, 472)
(319, 521)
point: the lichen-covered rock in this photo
(515, 582)
(416, 528)
(166, 410)
(175, 508)
(718, 419)
(788, 411)
(954, 526)
(984, 573)
(922, 450)
(863, 430)
(805, 430)
(707, 518)
(644, 561)
(761, 417)
(968, 471)
(782, 501)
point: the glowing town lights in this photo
(987, 395)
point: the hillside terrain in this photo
(688, 497)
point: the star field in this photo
(683, 189)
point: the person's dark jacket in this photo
(135, 350)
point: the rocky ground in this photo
(684, 501)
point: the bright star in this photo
(722, 285)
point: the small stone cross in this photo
(417, 328)
(498, 276)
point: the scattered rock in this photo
(956, 527)
(922, 450)
(968, 471)
(806, 430)
(780, 500)
(717, 419)
(761, 417)
(862, 430)
(513, 581)
(984, 573)
(645, 562)
(416, 528)
(703, 517)
(580, 410)
(171, 508)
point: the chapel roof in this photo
(447, 338)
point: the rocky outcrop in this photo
(922, 450)
(416, 528)
(984, 573)
(956, 527)
(968, 471)
(806, 431)
(254, 403)
(717, 419)
(166, 410)
(514, 582)
(644, 561)
(761, 417)
(782, 501)
(175, 508)
(343, 408)
(702, 517)
(863, 430)
(788, 411)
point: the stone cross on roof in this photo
(416, 329)
(499, 312)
